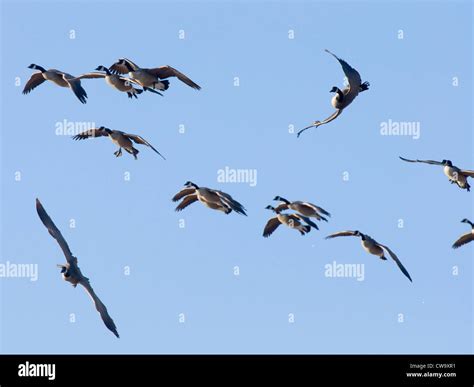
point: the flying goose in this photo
(211, 198)
(291, 220)
(57, 77)
(466, 238)
(153, 78)
(342, 98)
(121, 139)
(372, 247)
(71, 272)
(118, 82)
(455, 175)
(304, 208)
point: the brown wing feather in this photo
(271, 226)
(96, 132)
(466, 238)
(35, 80)
(164, 72)
(186, 202)
(141, 140)
(397, 261)
(341, 233)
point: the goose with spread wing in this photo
(70, 270)
(151, 78)
(455, 175)
(118, 82)
(121, 139)
(342, 98)
(373, 247)
(59, 78)
(211, 198)
(294, 221)
(465, 238)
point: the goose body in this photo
(151, 78)
(59, 78)
(211, 198)
(119, 138)
(294, 221)
(371, 246)
(455, 175)
(70, 270)
(465, 238)
(342, 98)
(304, 208)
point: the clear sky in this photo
(424, 78)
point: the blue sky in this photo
(189, 270)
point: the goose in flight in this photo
(71, 272)
(153, 78)
(373, 247)
(466, 238)
(304, 208)
(291, 220)
(342, 98)
(118, 82)
(121, 139)
(211, 198)
(58, 78)
(455, 175)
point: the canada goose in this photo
(71, 272)
(455, 175)
(372, 247)
(211, 198)
(116, 81)
(304, 208)
(466, 238)
(154, 78)
(121, 139)
(57, 77)
(342, 98)
(291, 220)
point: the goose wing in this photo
(96, 132)
(270, 227)
(35, 80)
(99, 305)
(352, 74)
(234, 204)
(432, 162)
(397, 261)
(55, 233)
(308, 221)
(120, 68)
(315, 124)
(91, 75)
(341, 233)
(186, 202)
(164, 72)
(466, 238)
(467, 172)
(75, 86)
(316, 208)
(141, 140)
(184, 192)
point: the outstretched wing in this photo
(308, 221)
(54, 232)
(164, 72)
(141, 140)
(397, 261)
(271, 226)
(35, 80)
(467, 172)
(353, 76)
(432, 162)
(231, 202)
(99, 305)
(318, 209)
(96, 132)
(341, 233)
(120, 68)
(332, 117)
(186, 202)
(91, 75)
(466, 238)
(184, 192)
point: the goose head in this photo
(281, 199)
(36, 67)
(359, 234)
(447, 163)
(103, 68)
(191, 184)
(269, 207)
(467, 221)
